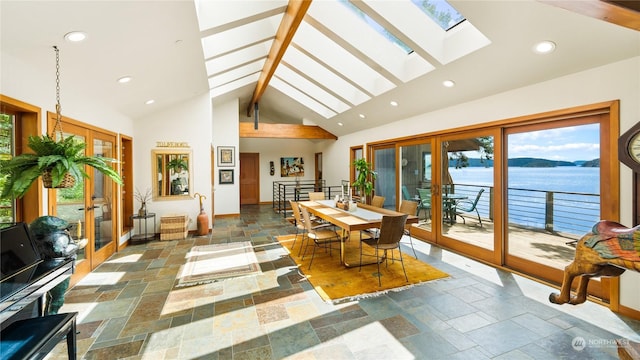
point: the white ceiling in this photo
(160, 44)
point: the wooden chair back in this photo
(377, 201)
(315, 196)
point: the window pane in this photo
(553, 196)
(7, 151)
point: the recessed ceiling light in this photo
(124, 79)
(448, 83)
(544, 47)
(362, 116)
(75, 36)
(340, 124)
(394, 103)
(149, 102)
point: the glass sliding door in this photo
(415, 180)
(384, 164)
(553, 194)
(466, 194)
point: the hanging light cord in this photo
(58, 124)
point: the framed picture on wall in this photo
(291, 166)
(226, 176)
(226, 156)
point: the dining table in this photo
(364, 217)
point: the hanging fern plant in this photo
(58, 160)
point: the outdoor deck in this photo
(536, 245)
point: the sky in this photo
(567, 144)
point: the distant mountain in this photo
(529, 162)
(591, 163)
(535, 162)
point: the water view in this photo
(567, 195)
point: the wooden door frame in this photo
(27, 124)
(92, 260)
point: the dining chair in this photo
(425, 202)
(299, 224)
(377, 201)
(391, 231)
(315, 196)
(409, 207)
(322, 236)
(467, 206)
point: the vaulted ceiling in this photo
(335, 68)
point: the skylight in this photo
(379, 28)
(441, 12)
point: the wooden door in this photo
(249, 178)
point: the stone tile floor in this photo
(129, 308)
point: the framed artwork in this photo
(291, 166)
(226, 156)
(226, 176)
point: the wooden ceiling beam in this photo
(284, 131)
(623, 13)
(296, 10)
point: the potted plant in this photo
(177, 164)
(364, 178)
(60, 163)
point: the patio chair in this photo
(467, 206)
(409, 207)
(425, 202)
(405, 193)
(391, 231)
(322, 236)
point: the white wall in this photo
(273, 150)
(188, 122)
(226, 132)
(619, 80)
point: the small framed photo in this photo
(226, 176)
(226, 156)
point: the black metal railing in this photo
(550, 211)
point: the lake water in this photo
(564, 178)
(573, 213)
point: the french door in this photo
(89, 206)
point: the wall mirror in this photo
(171, 173)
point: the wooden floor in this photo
(542, 247)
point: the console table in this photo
(142, 237)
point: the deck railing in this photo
(551, 211)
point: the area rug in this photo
(336, 283)
(209, 263)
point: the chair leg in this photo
(312, 254)
(360, 267)
(378, 261)
(408, 232)
(402, 262)
(304, 253)
(295, 239)
(479, 219)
